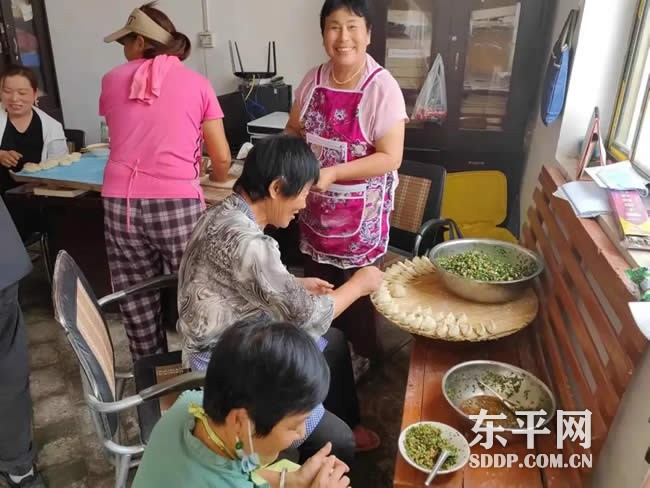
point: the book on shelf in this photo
(632, 218)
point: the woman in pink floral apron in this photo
(352, 113)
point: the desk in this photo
(88, 174)
(77, 224)
(424, 400)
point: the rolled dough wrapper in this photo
(52, 163)
(32, 168)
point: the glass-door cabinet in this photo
(492, 52)
(25, 40)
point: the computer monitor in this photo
(234, 119)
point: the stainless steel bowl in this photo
(519, 386)
(486, 291)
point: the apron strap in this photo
(371, 76)
(134, 174)
(319, 74)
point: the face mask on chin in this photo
(249, 462)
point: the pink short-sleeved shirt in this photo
(163, 139)
(382, 105)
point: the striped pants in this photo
(152, 245)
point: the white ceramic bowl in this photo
(448, 433)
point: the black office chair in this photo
(416, 225)
(76, 139)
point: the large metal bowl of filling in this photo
(485, 270)
(474, 385)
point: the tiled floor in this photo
(69, 454)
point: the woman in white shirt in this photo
(27, 134)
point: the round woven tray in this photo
(426, 296)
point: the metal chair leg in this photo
(122, 470)
(45, 252)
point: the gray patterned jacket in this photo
(232, 270)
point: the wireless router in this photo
(250, 75)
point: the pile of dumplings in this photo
(66, 160)
(444, 326)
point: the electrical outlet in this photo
(206, 39)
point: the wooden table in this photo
(64, 217)
(424, 400)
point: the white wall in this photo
(622, 462)
(77, 28)
(605, 30)
(543, 141)
(604, 34)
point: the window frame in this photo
(619, 152)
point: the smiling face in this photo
(281, 210)
(346, 38)
(18, 95)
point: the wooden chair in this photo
(78, 311)
(415, 221)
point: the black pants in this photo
(342, 398)
(342, 406)
(16, 450)
(330, 429)
(359, 321)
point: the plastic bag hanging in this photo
(431, 104)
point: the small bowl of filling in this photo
(477, 385)
(421, 443)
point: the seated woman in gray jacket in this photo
(231, 271)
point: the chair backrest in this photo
(476, 197)
(478, 202)
(76, 309)
(586, 340)
(418, 198)
(76, 139)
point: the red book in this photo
(632, 218)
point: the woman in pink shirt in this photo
(159, 113)
(352, 112)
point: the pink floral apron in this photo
(347, 225)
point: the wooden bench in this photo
(584, 345)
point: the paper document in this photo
(641, 313)
(619, 176)
(586, 198)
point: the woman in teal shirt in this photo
(262, 382)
